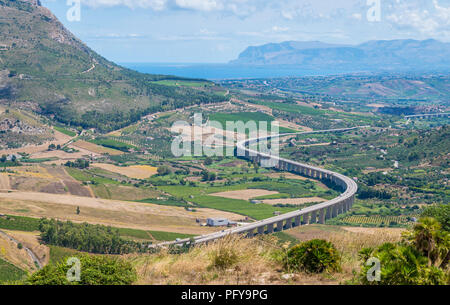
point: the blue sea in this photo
(222, 71)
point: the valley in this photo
(102, 162)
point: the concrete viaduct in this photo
(427, 116)
(318, 213)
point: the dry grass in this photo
(252, 264)
(17, 257)
(350, 243)
(230, 261)
(135, 171)
(31, 241)
(96, 148)
(59, 138)
(116, 213)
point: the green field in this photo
(9, 272)
(65, 131)
(89, 176)
(168, 202)
(19, 223)
(200, 196)
(315, 112)
(168, 236)
(39, 160)
(57, 254)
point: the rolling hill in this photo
(45, 68)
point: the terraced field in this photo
(377, 220)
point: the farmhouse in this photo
(219, 222)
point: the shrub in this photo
(400, 265)
(314, 256)
(224, 256)
(441, 213)
(95, 270)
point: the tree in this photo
(441, 213)
(420, 259)
(78, 211)
(3, 159)
(315, 256)
(400, 265)
(164, 170)
(256, 166)
(431, 241)
(208, 176)
(208, 161)
(52, 147)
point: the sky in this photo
(217, 31)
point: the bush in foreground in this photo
(420, 259)
(314, 256)
(95, 270)
(400, 265)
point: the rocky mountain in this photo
(385, 55)
(43, 65)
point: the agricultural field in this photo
(96, 148)
(45, 179)
(388, 221)
(134, 171)
(65, 131)
(9, 272)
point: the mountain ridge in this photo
(374, 55)
(45, 67)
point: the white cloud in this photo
(279, 29)
(153, 4)
(430, 19)
(200, 5)
(357, 16)
(238, 7)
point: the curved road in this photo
(28, 250)
(314, 214)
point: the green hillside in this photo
(47, 68)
